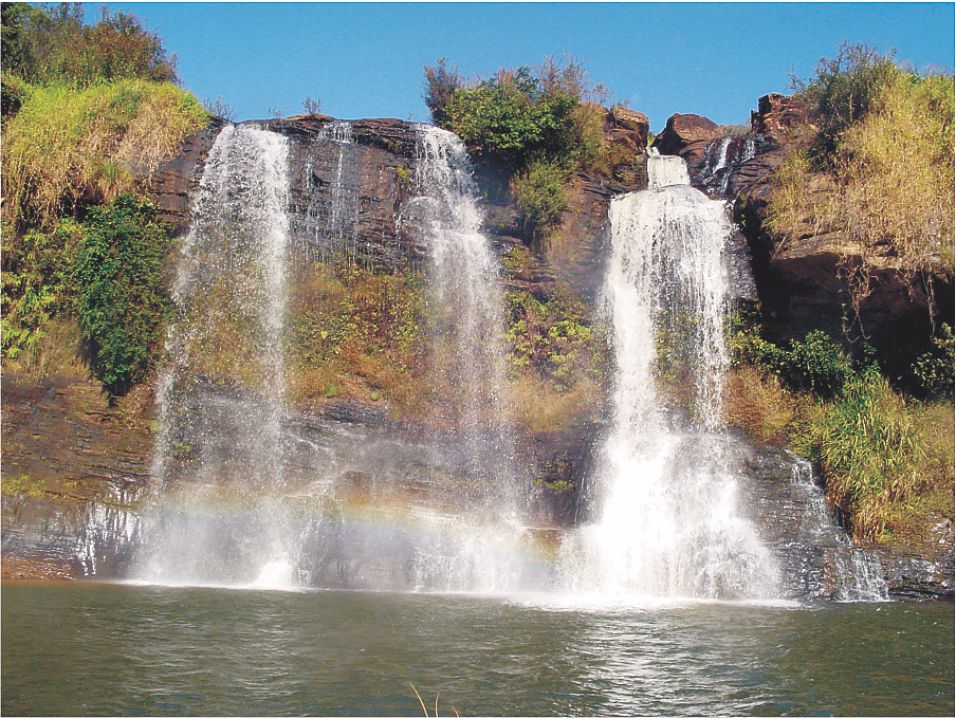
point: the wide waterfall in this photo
(664, 514)
(219, 453)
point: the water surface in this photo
(94, 649)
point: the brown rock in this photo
(682, 130)
(778, 116)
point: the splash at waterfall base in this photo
(371, 473)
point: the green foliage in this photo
(36, 284)
(540, 194)
(933, 370)
(121, 302)
(816, 363)
(550, 338)
(66, 146)
(510, 117)
(52, 45)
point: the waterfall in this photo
(467, 302)
(664, 512)
(848, 573)
(219, 452)
(665, 170)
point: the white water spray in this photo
(219, 453)
(665, 518)
(468, 301)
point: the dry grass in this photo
(759, 405)
(66, 145)
(887, 192)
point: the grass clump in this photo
(66, 147)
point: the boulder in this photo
(684, 130)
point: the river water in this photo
(95, 648)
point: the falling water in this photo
(219, 453)
(850, 573)
(665, 170)
(467, 299)
(665, 516)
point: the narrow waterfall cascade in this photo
(219, 453)
(847, 572)
(664, 514)
(469, 312)
(342, 214)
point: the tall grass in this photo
(66, 146)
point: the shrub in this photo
(52, 45)
(121, 301)
(933, 370)
(65, 146)
(440, 85)
(540, 194)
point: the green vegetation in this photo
(120, 296)
(887, 459)
(68, 147)
(89, 113)
(543, 124)
(875, 168)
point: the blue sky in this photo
(366, 59)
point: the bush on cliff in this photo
(51, 44)
(120, 297)
(542, 124)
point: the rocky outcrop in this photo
(687, 136)
(778, 117)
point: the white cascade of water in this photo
(468, 301)
(665, 517)
(722, 154)
(665, 170)
(342, 222)
(855, 574)
(219, 452)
